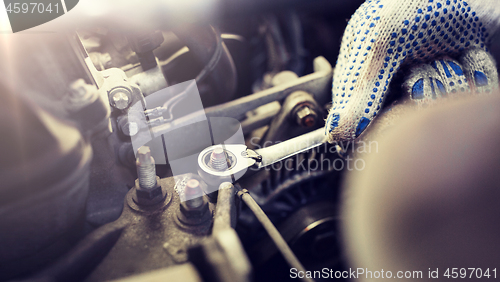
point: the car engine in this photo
(174, 142)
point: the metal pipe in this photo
(282, 245)
(225, 211)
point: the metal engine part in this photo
(35, 200)
(81, 201)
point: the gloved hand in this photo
(443, 41)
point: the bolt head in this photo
(144, 154)
(148, 197)
(218, 152)
(193, 193)
(194, 211)
(120, 99)
(306, 116)
(219, 159)
(78, 88)
(130, 128)
(192, 183)
(309, 121)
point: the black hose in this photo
(209, 67)
(206, 43)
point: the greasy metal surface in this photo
(110, 179)
(222, 258)
(150, 81)
(150, 239)
(226, 211)
(180, 273)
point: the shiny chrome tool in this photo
(229, 162)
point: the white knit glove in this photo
(384, 35)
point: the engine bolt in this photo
(193, 194)
(219, 160)
(119, 99)
(193, 210)
(306, 116)
(146, 170)
(78, 88)
(130, 128)
(128, 124)
(80, 95)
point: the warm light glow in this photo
(4, 20)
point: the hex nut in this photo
(119, 98)
(193, 213)
(148, 196)
(128, 125)
(306, 116)
(130, 128)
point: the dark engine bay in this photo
(187, 148)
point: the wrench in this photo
(240, 158)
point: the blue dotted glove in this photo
(384, 35)
(475, 71)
